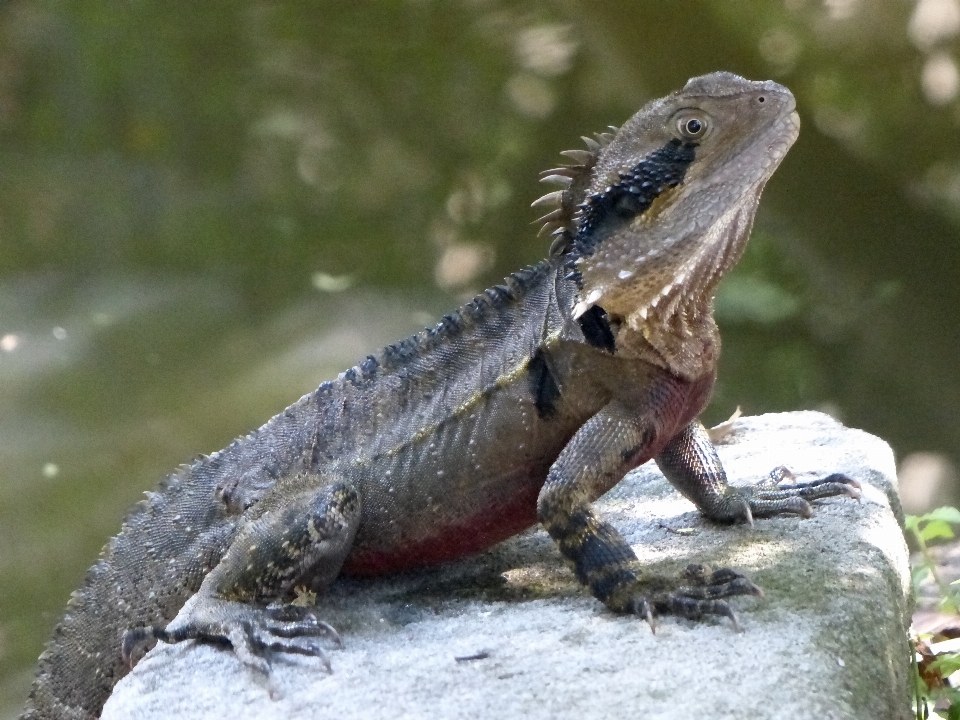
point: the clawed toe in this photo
(766, 503)
(844, 485)
(311, 627)
(132, 640)
(699, 592)
(717, 577)
(743, 586)
(291, 646)
(642, 608)
(294, 620)
(281, 636)
(706, 584)
(774, 497)
(832, 485)
(253, 633)
(250, 641)
(695, 609)
(720, 607)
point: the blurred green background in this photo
(206, 209)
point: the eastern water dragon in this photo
(524, 406)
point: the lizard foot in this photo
(252, 632)
(697, 592)
(772, 497)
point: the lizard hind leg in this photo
(297, 536)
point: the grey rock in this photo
(827, 640)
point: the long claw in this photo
(557, 179)
(331, 632)
(550, 199)
(773, 497)
(737, 627)
(243, 647)
(253, 632)
(644, 610)
(132, 638)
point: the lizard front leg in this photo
(690, 463)
(596, 458)
(298, 535)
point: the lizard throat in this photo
(675, 276)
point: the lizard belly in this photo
(467, 484)
(455, 535)
(439, 506)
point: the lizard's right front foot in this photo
(697, 591)
(250, 631)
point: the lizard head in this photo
(666, 203)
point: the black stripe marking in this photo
(633, 194)
(596, 329)
(543, 385)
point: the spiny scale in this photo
(560, 221)
(552, 198)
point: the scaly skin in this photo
(525, 406)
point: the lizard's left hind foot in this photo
(695, 593)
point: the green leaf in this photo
(946, 664)
(953, 713)
(911, 523)
(920, 573)
(948, 604)
(946, 514)
(936, 529)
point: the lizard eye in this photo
(692, 125)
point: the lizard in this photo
(523, 407)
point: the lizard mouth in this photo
(783, 133)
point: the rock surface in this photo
(512, 634)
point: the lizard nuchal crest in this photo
(524, 406)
